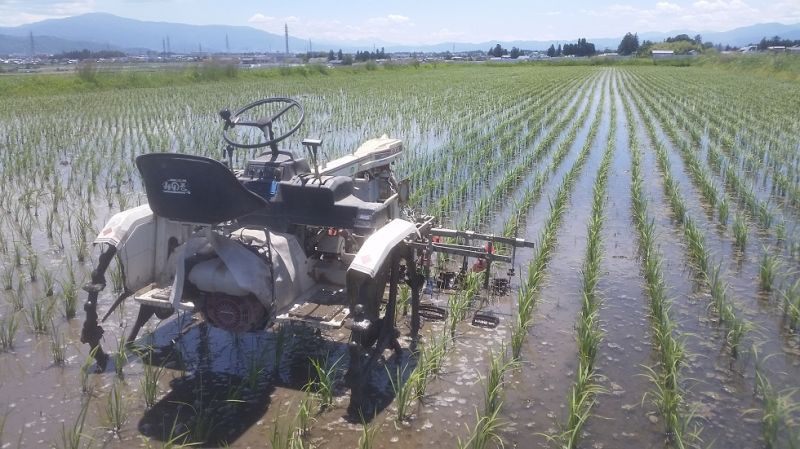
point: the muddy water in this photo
(620, 418)
(718, 394)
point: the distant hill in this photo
(96, 31)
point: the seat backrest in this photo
(194, 189)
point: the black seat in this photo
(194, 189)
(315, 202)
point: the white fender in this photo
(377, 247)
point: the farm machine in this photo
(285, 239)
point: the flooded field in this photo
(659, 307)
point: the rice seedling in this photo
(7, 277)
(39, 315)
(791, 304)
(367, 438)
(33, 265)
(116, 409)
(723, 211)
(48, 283)
(494, 381)
(518, 334)
(325, 379)
(120, 357)
(767, 270)
(72, 437)
(57, 346)
(739, 231)
(303, 419)
(85, 372)
(69, 297)
(403, 298)
(149, 382)
(403, 388)
(485, 432)
(8, 331)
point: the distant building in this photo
(663, 54)
(795, 49)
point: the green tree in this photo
(551, 52)
(558, 50)
(331, 56)
(497, 51)
(515, 52)
(339, 55)
(629, 44)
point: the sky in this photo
(429, 21)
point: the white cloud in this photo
(391, 28)
(397, 18)
(18, 12)
(667, 6)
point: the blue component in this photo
(273, 188)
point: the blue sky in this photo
(431, 21)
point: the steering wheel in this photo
(263, 123)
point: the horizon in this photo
(403, 23)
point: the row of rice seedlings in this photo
(667, 393)
(698, 251)
(488, 423)
(588, 332)
(411, 387)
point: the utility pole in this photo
(33, 46)
(163, 47)
(286, 37)
(169, 49)
(227, 45)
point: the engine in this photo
(236, 287)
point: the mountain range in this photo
(101, 31)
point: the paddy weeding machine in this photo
(285, 239)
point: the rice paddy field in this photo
(660, 307)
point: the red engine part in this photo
(234, 313)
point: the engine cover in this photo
(234, 313)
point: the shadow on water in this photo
(227, 380)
